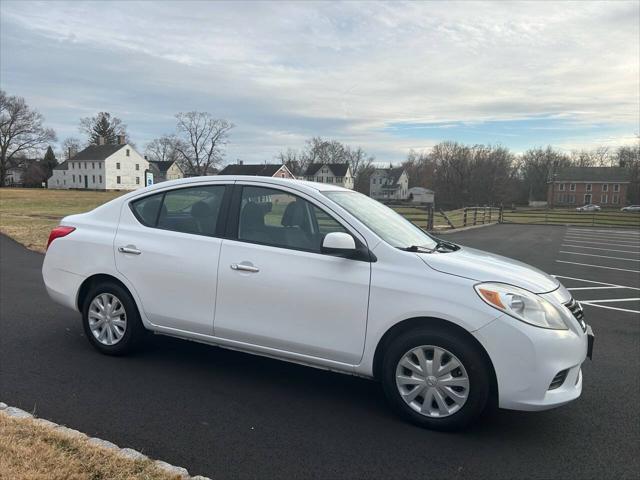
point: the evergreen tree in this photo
(49, 161)
(102, 125)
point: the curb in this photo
(128, 453)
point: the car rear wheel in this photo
(111, 320)
(436, 378)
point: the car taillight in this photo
(59, 232)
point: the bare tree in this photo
(105, 126)
(70, 147)
(21, 131)
(163, 149)
(201, 141)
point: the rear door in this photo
(168, 247)
(276, 288)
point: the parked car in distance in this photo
(631, 208)
(588, 208)
(327, 277)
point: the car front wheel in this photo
(111, 320)
(435, 378)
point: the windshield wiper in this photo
(417, 248)
(448, 246)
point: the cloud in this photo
(283, 72)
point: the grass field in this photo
(28, 214)
(30, 451)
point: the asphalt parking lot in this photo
(230, 415)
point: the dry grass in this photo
(29, 451)
(28, 214)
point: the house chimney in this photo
(121, 140)
(69, 156)
(100, 140)
(240, 162)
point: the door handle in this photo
(243, 267)
(129, 249)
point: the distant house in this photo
(421, 195)
(336, 173)
(605, 186)
(165, 170)
(389, 184)
(58, 179)
(261, 170)
(102, 167)
(16, 173)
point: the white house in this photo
(165, 170)
(257, 169)
(102, 167)
(389, 184)
(421, 195)
(337, 173)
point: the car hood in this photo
(488, 267)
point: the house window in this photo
(572, 187)
(615, 198)
(93, 179)
(137, 166)
(604, 198)
(93, 165)
(73, 165)
(85, 164)
(137, 180)
(118, 179)
(589, 187)
(616, 188)
(329, 179)
(605, 187)
(572, 199)
(100, 178)
(118, 166)
(318, 179)
(338, 179)
(127, 152)
(562, 187)
(73, 178)
(64, 182)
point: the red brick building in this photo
(575, 186)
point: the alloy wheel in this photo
(432, 381)
(107, 319)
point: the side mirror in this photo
(338, 243)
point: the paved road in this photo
(232, 415)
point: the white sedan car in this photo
(588, 208)
(631, 208)
(323, 276)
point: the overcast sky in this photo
(384, 76)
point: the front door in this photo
(86, 181)
(587, 199)
(168, 249)
(277, 290)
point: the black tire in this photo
(473, 360)
(134, 330)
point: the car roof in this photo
(303, 185)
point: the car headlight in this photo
(522, 305)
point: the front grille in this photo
(559, 379)
(576, 309)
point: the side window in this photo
(146, 209)
(192, 210)
(188, 210)
(273, 217)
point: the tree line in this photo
(459, 174)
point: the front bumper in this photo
(526, 360)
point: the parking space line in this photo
(574, 240)
(604, 239)
(610, 308)
(600, 256)
(618, 232)
(593, 281)
(598, 248)
(608, 235)
(611, 300)
(594, 288)
(599, 266)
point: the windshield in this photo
(387, 224)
